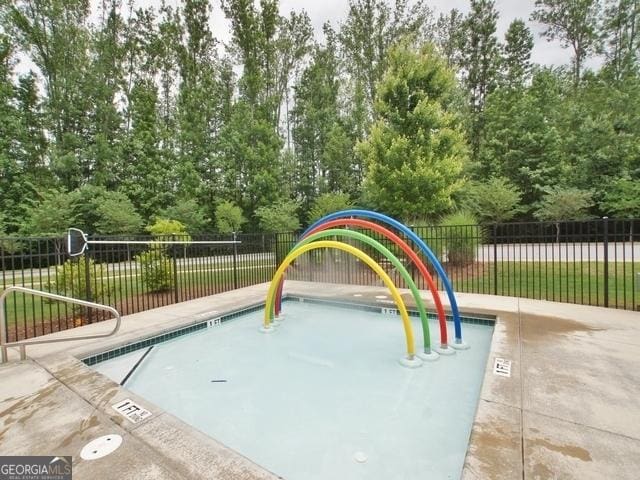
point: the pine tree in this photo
(416, 150)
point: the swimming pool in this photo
(323, 396)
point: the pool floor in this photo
(324, 396)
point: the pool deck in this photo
(570, 408)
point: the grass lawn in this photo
(581, 283)
(572, 282)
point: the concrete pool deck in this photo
(570, 408)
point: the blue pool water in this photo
(323, 397)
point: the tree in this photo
(250, 150)
(370, 30)
(51, 215)
(118, 216)
(622, 200)
(574, 23)
(416, 150)
(621, 32)
(516, 59)
(55, 36)
(279, 217)
(229, 218)
(329, 203)
(525, 136)
(495, 201)
(449, 36)
(479, 61)
(189, 213)
(561, 204)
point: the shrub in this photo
(157, 274)
(71, 281)
(461, 237)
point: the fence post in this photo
(174, 254)
(495, 259)
(605, 228)
(235, 261)
(87, 279)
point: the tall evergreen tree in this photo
(416, 150)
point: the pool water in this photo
(324, 396)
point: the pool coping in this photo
(512, 437)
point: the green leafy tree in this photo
(516, 57)
(416, 150)
(117, 215)
(562, 204)
(279, 217)
(622, 200)
(229, 218)
(189, 213)
(50, 215)
(449, 36)
(54, 34)
(574, 24)
(524, 135)
(329, 203)
(480, 61)
(250, 150)
(621, 34)
(495, 201)
(370, 30)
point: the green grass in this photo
(582, 283)
(568, 282)
(129, 293)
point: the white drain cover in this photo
(360, 457)
(101, 447)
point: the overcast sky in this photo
(335, 11)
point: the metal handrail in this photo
(23, 344)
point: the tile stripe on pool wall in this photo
(117, 352)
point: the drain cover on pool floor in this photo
(360, 457)
(101, 447)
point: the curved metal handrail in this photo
(23, 343)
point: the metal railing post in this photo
(605, 227)
(495, 259)
(87, 279)
(175, 275)
(235, 262)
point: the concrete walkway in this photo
(569, 409)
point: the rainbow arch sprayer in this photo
(316, 237)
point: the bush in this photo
(157, 274)
(461, 237)
(71, 281)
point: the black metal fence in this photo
(595, 262)
(130, 277)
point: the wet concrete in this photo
(569, 409)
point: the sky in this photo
(334, 11)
